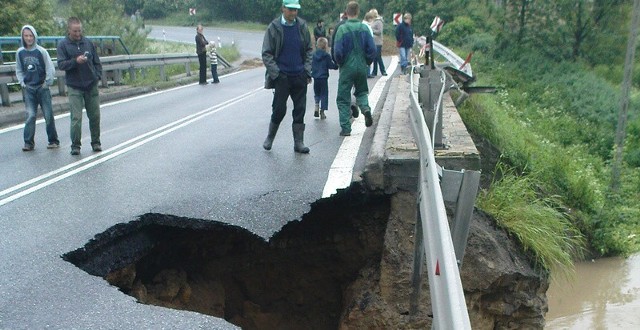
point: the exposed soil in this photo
(296, 280)
(251, 63)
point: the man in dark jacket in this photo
(404, 41)
(201, 50)
(287, 54)
(319, 31)
(78, 57)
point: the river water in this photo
(603, 294)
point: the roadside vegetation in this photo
(554, 120)
(558, 69)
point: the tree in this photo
(624, 98)
(567, 29)
(16, 13)
(107, 18)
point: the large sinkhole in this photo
(296, 280)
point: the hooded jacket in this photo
(79, 76)
(34, 67)
(321, 64)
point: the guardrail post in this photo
(163, 76)
(418, 266)
(117, 77)
(104, 80)
(4, 95)
(464, 211)
(62, 88)
(435, 85)
(429, 90)
(132, 73)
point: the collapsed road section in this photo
(296, 280)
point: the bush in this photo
(557, 131)
(538, 222)
(456, 32)
(161, 8)
(481, 42)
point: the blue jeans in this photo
(378, 62)
(404, 54)
(34, 96)
(321, 92)
(214, 73)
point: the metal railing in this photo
(107, 45)
(433, 236)
(112, 68)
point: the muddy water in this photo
(603, 294)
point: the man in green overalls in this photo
(354, 50)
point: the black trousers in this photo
(202, 60)
(285, 87)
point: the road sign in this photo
(397, 17)
(192, 11)
(436, 25)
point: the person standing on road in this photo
(213, 58)
(201, 50)
(78, 58)
(287, 55)
(319, 31)
(404, 41)
(368, 19)
(354, 51)
(35, 73)
(377, 26)
(320, 66)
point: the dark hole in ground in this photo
(296, 280)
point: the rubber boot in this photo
(298, 139)
(273, 129)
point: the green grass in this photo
(554, 145)
(539, 223)
(151, 76)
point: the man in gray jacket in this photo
(35, 73)
(78, 57)
(287, 55)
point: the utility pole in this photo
(624, 98)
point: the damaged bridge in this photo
(185, 222)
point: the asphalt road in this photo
(249, 43)
(194, 151)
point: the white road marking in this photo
(66, 114)
(339, 177)
(341, 170)
(52, 177)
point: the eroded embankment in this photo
(296, 280)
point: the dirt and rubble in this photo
(345, 265)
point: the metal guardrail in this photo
(113, 64)
(453, 58)
(433, 236)
(105, 44)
